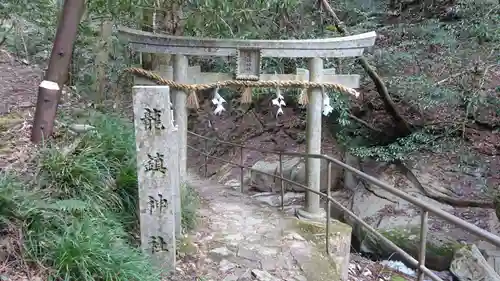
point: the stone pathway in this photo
(244, 240)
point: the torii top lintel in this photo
(348, 46)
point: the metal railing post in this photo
(423, 244)
(241, 169)
(328, 206)
(282, 183)
(206, 158)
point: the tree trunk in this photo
(48, 93)
(171, 23)
(102, 59)
(72, 69)
(166, 17)
(161, 60)
(149, 61)
(402, 125)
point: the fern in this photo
(401, 149)
(68, 205)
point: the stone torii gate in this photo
(249, 54)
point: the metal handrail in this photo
(426, 207)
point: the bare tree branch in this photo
(456, 202)
(403, 125)
(364, 123)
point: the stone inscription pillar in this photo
(157, 172)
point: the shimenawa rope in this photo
(245, 84)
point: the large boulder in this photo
(293, 169)
(313, 264)
(399, 220)
(469, 264)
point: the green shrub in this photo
(116, 139)
(80, 219)
(75, 220)
(13, 199)
(94, 248)
(82, 174)
(189, 204)
(75, 239)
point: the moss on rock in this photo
(185, 246)
(317, 265)
(439, 253)
(316, 232)
(395, 277)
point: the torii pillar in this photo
(312, 209)
(180, 75)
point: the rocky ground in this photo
(18, 89)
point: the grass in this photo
(78, 216)
(190, 203)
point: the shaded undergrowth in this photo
(78, 215)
